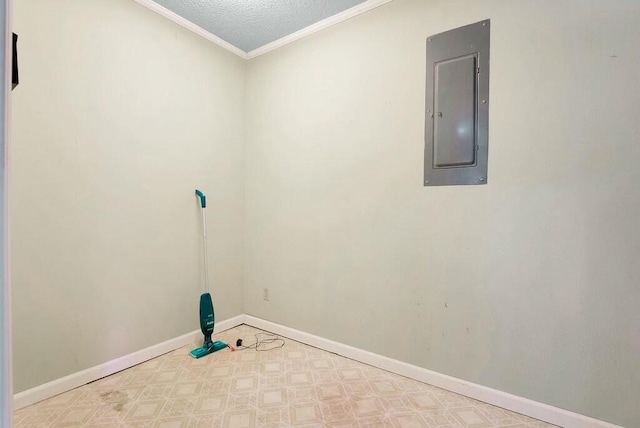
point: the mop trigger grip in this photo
(203, 198)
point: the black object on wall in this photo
(14, 73)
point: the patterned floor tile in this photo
(293, 386)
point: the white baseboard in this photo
(534, 409)
(67, 383)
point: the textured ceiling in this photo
(250, 24)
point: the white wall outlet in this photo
(265, 294)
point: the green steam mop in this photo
(207, 318)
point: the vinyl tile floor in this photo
(296, 385)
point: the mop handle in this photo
(203, 198)
(203, 204)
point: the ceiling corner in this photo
(172, 16)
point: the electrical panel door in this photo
(457, 106)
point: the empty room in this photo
(310, 213)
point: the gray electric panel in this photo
(457, 106)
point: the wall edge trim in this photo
(75, 380)
(505, 400)
(172, 16)
(313, 28)
(320, 25)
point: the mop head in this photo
(207, 322)
(207, 349)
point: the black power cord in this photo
(271, 342)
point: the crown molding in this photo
(320, 25)
(172, 16)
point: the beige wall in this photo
(6, 384)
(119, 116)
(528, 284)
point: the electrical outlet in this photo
(265, 294)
